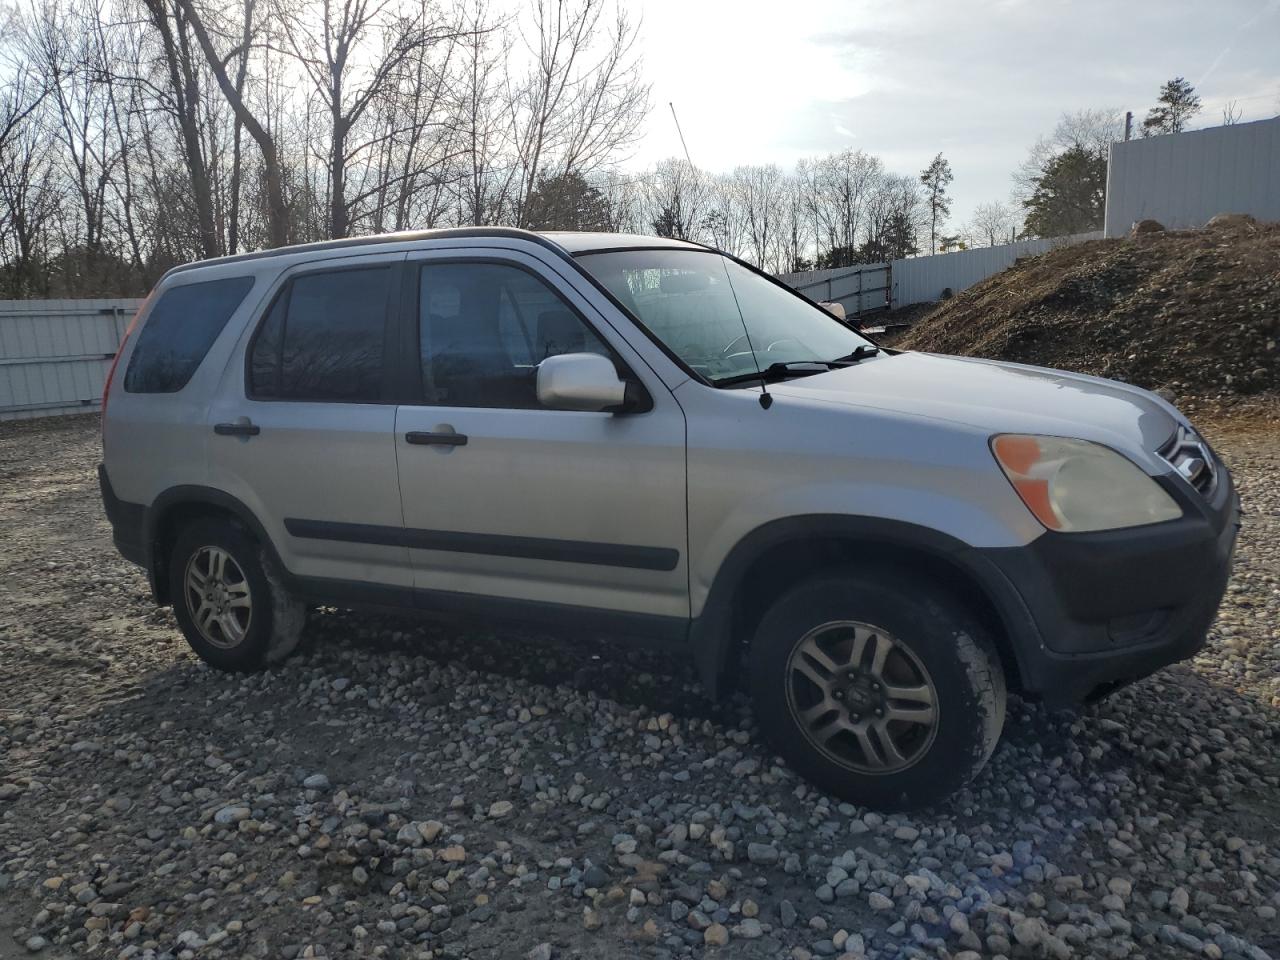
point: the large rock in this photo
(1146, 226)
(1232, 220)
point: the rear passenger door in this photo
(303, 429)
(520, 502)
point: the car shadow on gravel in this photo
(628, 673)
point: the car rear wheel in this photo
(231, 605)
(882, 691)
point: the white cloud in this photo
(757, 82)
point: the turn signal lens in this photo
(1075, 486)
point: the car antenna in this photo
(766, 398)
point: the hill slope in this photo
(1195, 311)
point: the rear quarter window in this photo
(179, 332)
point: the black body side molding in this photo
(489, 544)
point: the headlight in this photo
(1074, 486)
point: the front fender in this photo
(711, 637)
(963, 511)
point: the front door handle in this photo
(426, 439)
(241, 428)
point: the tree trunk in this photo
(182, 79)
(339, 225)
(277, 210)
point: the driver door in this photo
(505, 499)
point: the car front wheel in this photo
(882, 691)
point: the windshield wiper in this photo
(798, 368)
(779, 371)
(864, 351)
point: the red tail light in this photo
(128, 331)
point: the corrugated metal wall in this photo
(1183, 179)
(859, 289)
(54, 354)
(922, 279)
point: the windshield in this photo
(702, 306)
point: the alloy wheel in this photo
(862, 698)
(218, 597)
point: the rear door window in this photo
(324, 339)
(179, 332)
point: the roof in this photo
(565, 243)
(580, 242)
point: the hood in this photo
(996, 396)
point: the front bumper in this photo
(1103, 609)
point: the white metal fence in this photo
(870, 286)
(859, 289)
(1183, 179)
(54, 354)
(924, 279)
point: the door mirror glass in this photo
(580, 381)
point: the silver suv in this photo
(648, 438)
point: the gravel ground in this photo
(410, 790)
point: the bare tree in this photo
(624, 200)
(485, 184)
(794, 239)
(677, 199)
(277, 210)
(122, 126)
(184, 93)
(71, 65)
(26, 202)
(354, 52)
(723, 223)
(839, 193)
(896, 216)
(584, 98)
(760, 193)
(992, 223)
(418, 143)
(1230, 113)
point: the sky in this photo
(756, 82)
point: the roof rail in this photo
(404, 236)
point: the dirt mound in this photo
(1196, 312)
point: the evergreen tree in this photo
(566, 202)
(1176, 105)
(1069, 196)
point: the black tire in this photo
(936, 652)
(272, 626)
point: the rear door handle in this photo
(426, 439)
(240, 429)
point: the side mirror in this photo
(581, 381)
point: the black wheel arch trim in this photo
(196, 495)
(710, 636)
